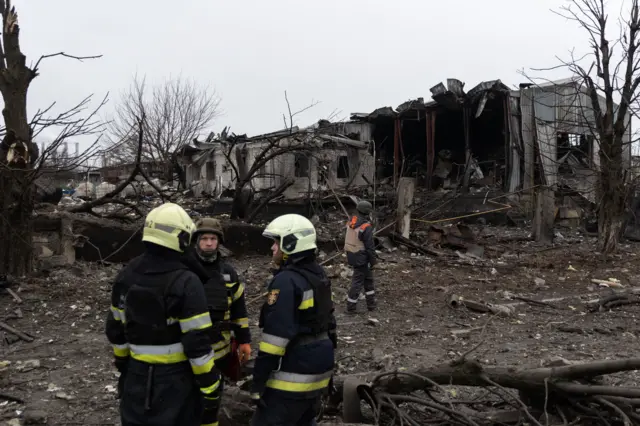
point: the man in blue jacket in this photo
(296, 353)
(361, 256)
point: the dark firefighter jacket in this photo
(216, 276)
(296, 355)
(159, 315)
(359, 243)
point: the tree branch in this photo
(107, 198)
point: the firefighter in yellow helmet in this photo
(160, 327)
(296, 354)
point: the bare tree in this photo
(19, 166)
(611, 73)
(176, 112)
(273, 146)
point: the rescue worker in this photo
(361, 256)
(296, 354)
(160, 328)
(225, 297)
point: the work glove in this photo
(244, 352)
(122, 365)
(121, 380)
(333, 336)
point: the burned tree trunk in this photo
(18, 152)
(242, 200)
(613, 195)
(242, 196)
(16, 251)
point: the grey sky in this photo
(352, 55)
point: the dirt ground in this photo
(65, 376)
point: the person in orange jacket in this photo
(225, 297)
(361, 256)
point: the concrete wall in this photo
(214, 174)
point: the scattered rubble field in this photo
(65, 374)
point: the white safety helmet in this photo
(168, 226)
(293, 232)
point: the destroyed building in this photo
(326, 155)
(492, 136)
(489, 138)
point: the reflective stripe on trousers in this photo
(294, 382)
(158, 354)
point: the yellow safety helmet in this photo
(294, 233)
(169, 226)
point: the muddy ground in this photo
(65, 376)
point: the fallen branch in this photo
(14, 295)
(613, 301)
(11, 398)
(407, 242)
(18, 333)
(456, 301)
(555, 387)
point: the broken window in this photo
(574, 140)
(578, 145)
(211, 170)
(343, 167)
(301, 165)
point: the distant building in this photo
(327, 155)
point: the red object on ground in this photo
(233, 369)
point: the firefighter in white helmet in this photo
(296, 353)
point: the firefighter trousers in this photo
(362, 279)
(160, 395)
(222, 365)
(277, 410)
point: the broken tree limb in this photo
(14, 295)
(110, 196)
(472, 305)
(410, 244)
(469, 373)
(613, 301)
(276, 193)
(546, 390)
(18, 333)
(11, 398)
(162, 195)
(454, 300)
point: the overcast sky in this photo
(351, 55)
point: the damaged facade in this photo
(329, 156)
(489, 138)
(492, 136)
